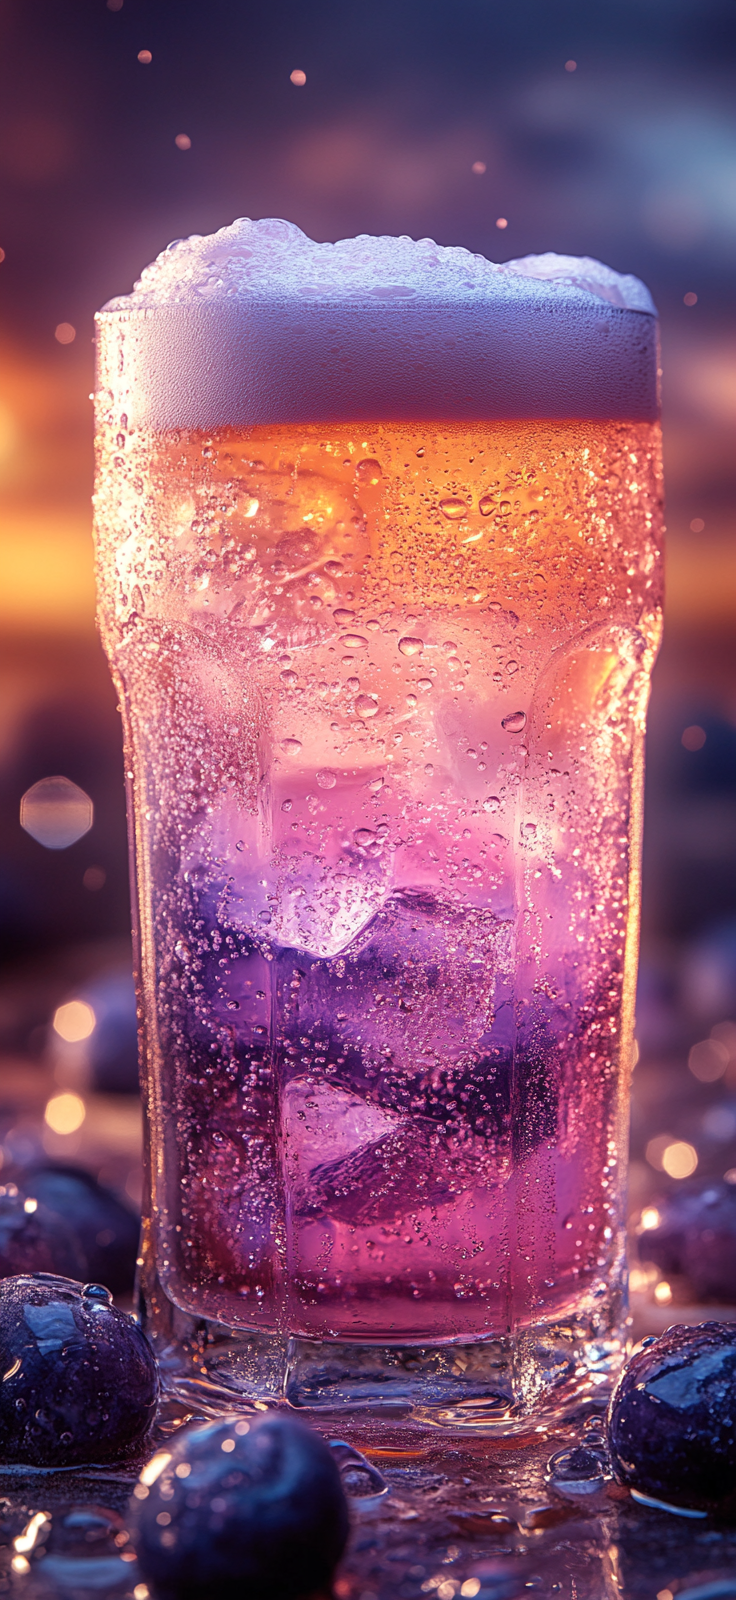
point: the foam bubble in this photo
(258, 323)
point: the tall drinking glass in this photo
(379, 584)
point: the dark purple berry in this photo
(695, 1240)
(34, 1238)
(79, 1380)
(237, 1507)
(672, 1417)
(108, 1231)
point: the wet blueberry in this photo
(695, 1239)
(79, 1381)
(672, 1418)
(33, 1238)
(107, 1230)
(240, 1506)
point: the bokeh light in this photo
(74, 1021)
(679, 1159)
(56, 812)
(65, 1113)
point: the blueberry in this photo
(79, 1380)
(107, 1230)
(695, 1239)
(240, 1506)
(33, 1237)
(672, 1418)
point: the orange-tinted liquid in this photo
(385, 692)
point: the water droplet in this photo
(577, 1471)
(326, 779)
(364, 836)
(361, 1480)
(354, 641)
(505, 507)
(409, 646)
(366, 705)
(453, 509)
(98, 1292)
(369, 471)
(342, 618)
(56, 812)
(429, 769)
(512, 667)
(486, 505)
(492, 803)
(289, 677)
(291, 746)
(424, 684)
(515, 722)
(286, 805)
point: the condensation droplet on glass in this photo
(286, 805)
(291, 745)
(492, 803)
(411, 646)
(364, 836)
(515, 722)
(424, 684)
(369, 471)
(429, 769)
(486, 505)
(366, 705)
(453, 509)
(289, 676)
(354, 641)
(325, 778)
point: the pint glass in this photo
(378, 551)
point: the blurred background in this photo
(606, 130)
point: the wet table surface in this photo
(432, 1514)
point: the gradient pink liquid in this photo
(384, 689)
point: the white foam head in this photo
(259, 324)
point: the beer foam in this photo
(258, 323)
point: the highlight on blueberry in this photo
(672, 1419)
(240, 1506)
(79, 1380)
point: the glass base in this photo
(505, 1385)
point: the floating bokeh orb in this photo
(56, 812)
